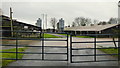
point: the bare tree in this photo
(95, 21)
(73, 24)
(118, 20)
(77, 21)
(113, 21)
(81, 21)
(53, 22)
(102, 23)
(88, 21)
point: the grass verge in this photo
(50, 36)
(110, 51)
(83, 36)
(78, 36)
(45, 36)
(11, 55)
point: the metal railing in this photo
(94, 48)
(42, 39)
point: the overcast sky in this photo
(29, 12)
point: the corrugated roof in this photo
(90, 28)
(6, 18)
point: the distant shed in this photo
(96, 29)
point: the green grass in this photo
(64, 34)
(50, 36)
(83, 36)
(45, 36)
(11, 55)
(78, 36)
(110, 51)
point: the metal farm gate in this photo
(18, 36)
(69, 53)
(94, 56)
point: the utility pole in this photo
(43, 21)
(46, 20)
(11, 21)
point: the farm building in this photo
(96, 29)
(17, 26)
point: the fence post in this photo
(16, 45)
(70, 48)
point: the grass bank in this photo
(45, 36)
(11, 55)
(50, 36)
(110, 51)
(78, 36)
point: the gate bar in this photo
(67, 48)
(70, 48)
(43, 47)
(95, 48)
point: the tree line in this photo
(82, 21)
